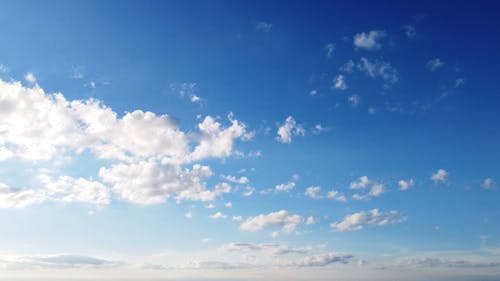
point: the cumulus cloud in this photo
(288, 222)
(313, 192)
(358, 221)
(285, 186)
(362, 183)
(339, 82)
(369, 40)
(310, 220)
(20, 198)
(434, 64)
(218, 215)
(336, 195)
(68, 189)
(216, 141)
(440, 176)
(233, 179)
(288, 129)
(405, 184)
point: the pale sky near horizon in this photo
(249, 140)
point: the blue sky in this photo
(262, 140)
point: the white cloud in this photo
(313, 191)
(218, 215)
(288, 222)
(434, 64)
(354, 100)
(310, 220)
(329, 48)
(263, 26)
(20, 198)
(361, 183)
(369, 40)
(488, 183)
(288, 129)
(147, 182)
(335, 195)
(68, 189)
(248, 191)
(409, 31)
(60, 261)
(376, 190)
(228, 205)
(361, 219)
(217, 142)
(285, 186)
(210, 206)
(313, 93)
(195, 98)
(237, 218)
(233, 179)
(405, 184)
(189, 215)
(319, 129)
(30, 77)
(440, 175)
(379, 69)
(339, 82)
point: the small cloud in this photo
(369, 40)
(248, 191)
(285, 186)
(263, 26)
(313, 93)
(188, 215)
(335, 195)
(312, 192)
(405, 184)
(3, 68)
(434, 64)
(218, 215)
(319, 129)
(237, 218)
(310, 220)
(409, 31)
(488, 183)
(30, 77)
(210, 206)
(195, 98)
(288, 129)
(228, 205)
(440, 176)
(339, 82)
(329, 48)
(354, 100)
(372, 110)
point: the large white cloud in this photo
(150, 153)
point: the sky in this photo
(249, 140)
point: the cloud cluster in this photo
(151, 155)
(376, 189)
